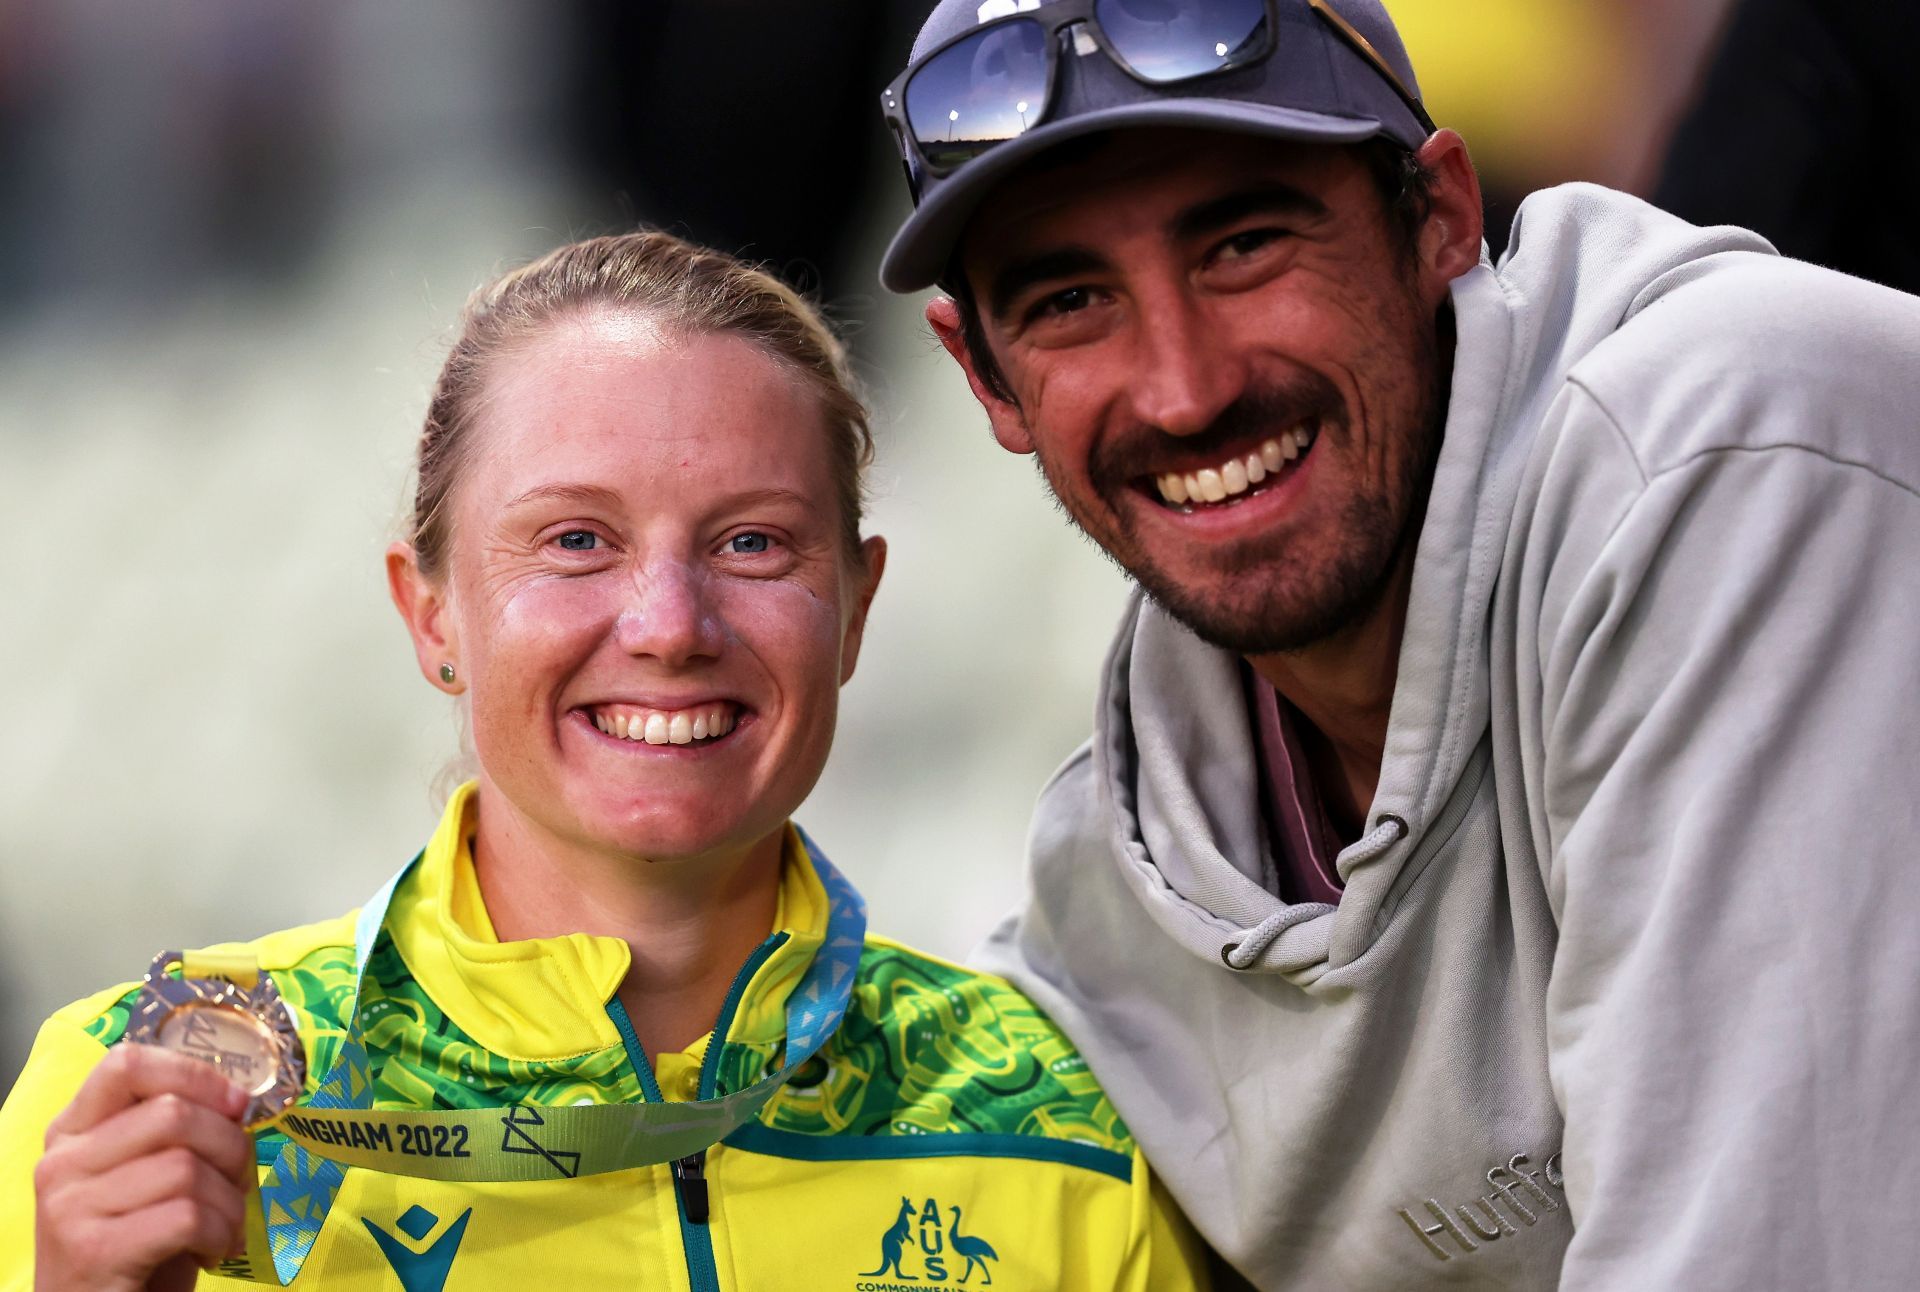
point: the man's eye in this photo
(1245, 244)
(1071, 301)
(579, 540)
(749, 544)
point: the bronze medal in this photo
(244, 1030)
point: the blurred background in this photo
(234, 238)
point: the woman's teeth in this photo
(666, 727)
(1236, 475)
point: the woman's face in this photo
(648, 598)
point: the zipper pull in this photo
(690, 1174)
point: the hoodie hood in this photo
(1173, 750)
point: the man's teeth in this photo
(1236, 475)
(672, 727)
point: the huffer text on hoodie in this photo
(1623, 991)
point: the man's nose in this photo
(670, 615)
(1187, 374)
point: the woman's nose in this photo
(669, 616)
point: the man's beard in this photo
(1283, 607)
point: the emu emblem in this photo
(922, 1237)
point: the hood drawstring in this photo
(1245, 953)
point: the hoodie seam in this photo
(1631, 505)
(1832, 459)
(1613, 424)
(1785, 446)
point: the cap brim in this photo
(919, 252)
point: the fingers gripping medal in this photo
(225, 1012)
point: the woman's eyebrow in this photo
(592, 495)
(768, 494)
(601, 496)
(1218, 213)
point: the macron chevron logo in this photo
(424, 1269)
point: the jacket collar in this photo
(542, 1000)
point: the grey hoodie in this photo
(1624, 990)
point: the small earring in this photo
(446, 674)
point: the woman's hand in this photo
(145, 1177)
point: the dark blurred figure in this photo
(1805, 130)
(733, 121)
(21, 82)
(144, 154)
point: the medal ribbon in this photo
(337, 1128)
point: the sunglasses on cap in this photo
(996, 82)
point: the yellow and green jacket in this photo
(947, 1136)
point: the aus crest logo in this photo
(925, 1247)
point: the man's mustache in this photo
(1257, 414)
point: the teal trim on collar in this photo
(636, 1052)
(710, 1065)
(710, 1062)
(757, 1138)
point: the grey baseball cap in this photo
(1316, 86)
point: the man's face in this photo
(1225, 358)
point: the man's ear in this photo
(423, 605)
(1456, 218)
(1009, 425)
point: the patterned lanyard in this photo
(338, 1128)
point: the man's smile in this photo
(1237, 474)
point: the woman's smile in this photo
(690, 724)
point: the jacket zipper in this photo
(689, 1178)
(689, 1173)
(696, 1246)
(691, 1193)
(696, 1239)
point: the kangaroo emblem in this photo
(892, 1241)
(978, 1251)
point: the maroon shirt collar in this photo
(1303, 840)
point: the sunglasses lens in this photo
(1171, 40)
(980, 92)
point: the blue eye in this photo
(749, 544)
(579, 540)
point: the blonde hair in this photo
(680, 285)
